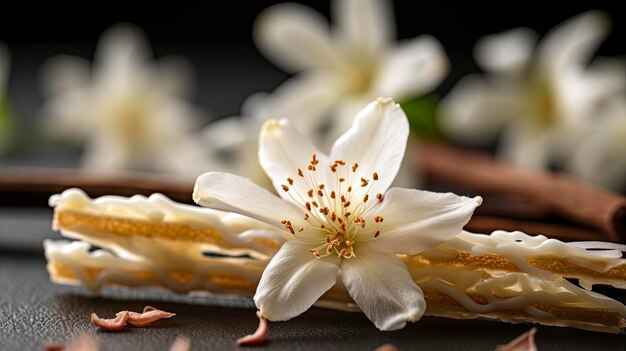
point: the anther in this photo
(379, 196)
(365, 198)
(377, 234)
(308, 206)
(301, 229)
(285, 188)
(306, 216)
(300, 173)
(347, 214)
(332, 194)
(290, 181)
(341, 180)
(375, 176)
(364, 182)
(320, 193)
(346, 204)
(314, 204)
(378, 219)
(350, 188)
(328, 239)
(310, 192)
(354, 167)
(322, 186)
(333, 216)
(343, 198)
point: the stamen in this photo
(341, 180)
(285, 188)
(332, 194)
(308, 206)
(377, 234)
(350, 188)
(354, 167)
(379, 197)
(290, 181)
(321, 187)
(365, 198)
(306, 216)
(375, 176)
(347, 214)
(364, 182)
(301, 229)
(310, 193)
(346, 204)
(343, 198)
(320, 193)
(378, 219)
(300, 173)
(314, 204)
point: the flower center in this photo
(336, 211)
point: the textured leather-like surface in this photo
(33, 310)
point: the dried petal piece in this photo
(115, 324)
(180, 344)
(259, 338)
(386, 347)
(149, 316)
(524, 342)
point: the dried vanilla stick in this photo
(508, 276)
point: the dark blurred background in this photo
(216, 37)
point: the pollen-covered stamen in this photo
(337, 211)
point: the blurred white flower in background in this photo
(128, 110)
(338, 72)
(544, 99)
(6, 124)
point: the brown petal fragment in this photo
(259, 338)
(386, 347)
(149, 308)
(53, 346)
(181, 344)
(115, 324)
(143, 319)
(524, 342)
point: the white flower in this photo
(127, 108)
(339, 72)
(340, 220)
(543, 101)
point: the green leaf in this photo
(422, 115)
(6, 125)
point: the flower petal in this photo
(527, 146)
(364, 26)
(282, 151)
(382, 287)
(304, 100)
(377, 141)
(509, 51)
(573, 42)
(476, 110)
(293, 280)
(414, 68)
(228, 192)
(416, 220)
(294, 37)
